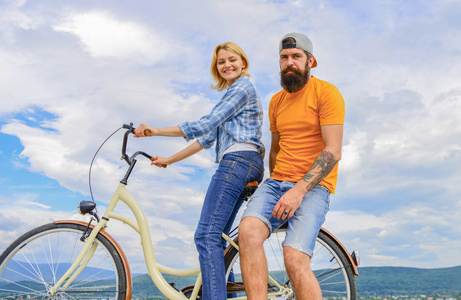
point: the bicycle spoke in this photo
(34, 267)
(35, 264)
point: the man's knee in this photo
(295, 259)
(252, 231)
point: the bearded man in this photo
(306, 122)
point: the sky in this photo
(73, 72)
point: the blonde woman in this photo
(234, 124)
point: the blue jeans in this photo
(221, 205)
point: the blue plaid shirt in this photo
(237, 118)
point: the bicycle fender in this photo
(129, 287)
(349, 257)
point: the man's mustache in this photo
(291, 69)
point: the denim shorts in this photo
(304, 225)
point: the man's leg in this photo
(299, 242)
(252, 233)
(298, 268)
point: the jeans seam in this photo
(210, 260)
(250, 176)
(231, 170)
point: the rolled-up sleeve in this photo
(187, 130)
(208, 140)
(235, 97)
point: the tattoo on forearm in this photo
(322, 166)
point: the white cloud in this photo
(102, 35)
(408, 235)
(346, 221)
(30, 203)
(12, 17)
(18, 217)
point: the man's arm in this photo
(275, 148)
(332, 137)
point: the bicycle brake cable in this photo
(92, 161)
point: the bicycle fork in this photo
(85, 255)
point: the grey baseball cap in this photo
(301, 42)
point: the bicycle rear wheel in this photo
(329, 263)
(37, 260)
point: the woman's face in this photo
(229, 65)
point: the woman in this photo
(235, 125)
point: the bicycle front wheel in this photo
(329, 264)
(37, 260)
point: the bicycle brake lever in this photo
(130, 127)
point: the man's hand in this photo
(289, 203)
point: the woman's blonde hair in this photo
(221, 83)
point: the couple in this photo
(306, 122)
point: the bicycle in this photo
(78, 260)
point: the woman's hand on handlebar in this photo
(144, 130)
(161, 162)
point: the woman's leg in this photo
(222, 197)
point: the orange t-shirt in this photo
(297, 117)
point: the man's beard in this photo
(295, 81)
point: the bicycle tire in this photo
(329, 263)
(37, 260)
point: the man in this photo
(306, 122)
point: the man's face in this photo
(294, 58)
(295, 69)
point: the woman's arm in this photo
(190, 150)
(144, 130)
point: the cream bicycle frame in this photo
(153, 267)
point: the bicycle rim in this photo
(328, 263)
(39, 258)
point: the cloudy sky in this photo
(72, 72)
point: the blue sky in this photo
(75, 71)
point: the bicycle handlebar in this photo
(130, 159)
